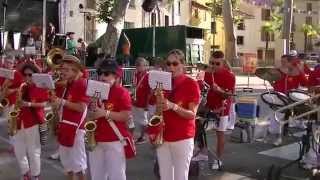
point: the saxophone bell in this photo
(4, 104)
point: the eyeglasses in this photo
(215, 63)
(105, 73)
(172, 63)
(27, 74)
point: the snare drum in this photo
(298, 95)
(275, 99)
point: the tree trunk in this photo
(113, 31)
(230, 39)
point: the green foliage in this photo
(104, 8)
(310, 30)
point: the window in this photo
(240, 40)
(153, 19)
(260, 54)
(294, 26)
(166, 20)
(267, 36)
(179, 8)
(132, 4)
(265, 14)
(309, 20)
(196, 13)
(213, 27)
(128, 25)
(241, 25)
(309, 7)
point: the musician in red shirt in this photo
(107, 160)
(140, 98)
(73, 104)
(27, 146)
(314, 80)
(179, 112)
(219, 100)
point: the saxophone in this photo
(155, 125)
(4, 102)
(13, 115)
(91, 124)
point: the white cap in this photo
(293, 53)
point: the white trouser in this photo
(140, 116)
(275, 126)
(108, 162)
(232, 116)
(174, 159)
(74, 159)
(27, 149)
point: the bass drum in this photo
(297, 95)
(275, 99)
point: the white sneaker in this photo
(54, 156)
(217, 164)
(278, 141)
(200, 157)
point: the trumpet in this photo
(155, 125)
(13, 115)
(91, 125)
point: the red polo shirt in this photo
(185, 91)
(142, 89)
(314, 78)
(225, 79)
(119, 100)
(75, 92)
(16, 82)
(32, 116)
(287, 83)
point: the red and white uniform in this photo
(71, 128)
(314, 78)
(107, 160)
(139, 113)
(225, 79)
(289, 82)
(26, 142)
(175, 154)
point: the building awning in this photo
(200, 6)
(243, 14)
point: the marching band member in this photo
(292, 77)
(27, 146)
(222, 83)
(70, 132)
(107, 160)
(140, 98)
(179, 113)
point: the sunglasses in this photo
(105, 73)
(172, 63)
(27, 74)
(215, 63)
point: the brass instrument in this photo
(156, 124)
(4, 102)
(91, 124)
(13, 115)
(53, 57)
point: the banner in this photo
(249, 62)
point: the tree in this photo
(230, 38)
(113, 13)
(310, 32)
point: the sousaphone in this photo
(54, 57)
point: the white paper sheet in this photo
(16, 39)
(44, 81)
(98, 89)
(30, 50)
(6, 73)
(156, 77)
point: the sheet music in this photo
(160, 77)
(30, 50)
(44, 81)
(7, 73)
(97, 88)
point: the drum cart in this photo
(275, 172)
